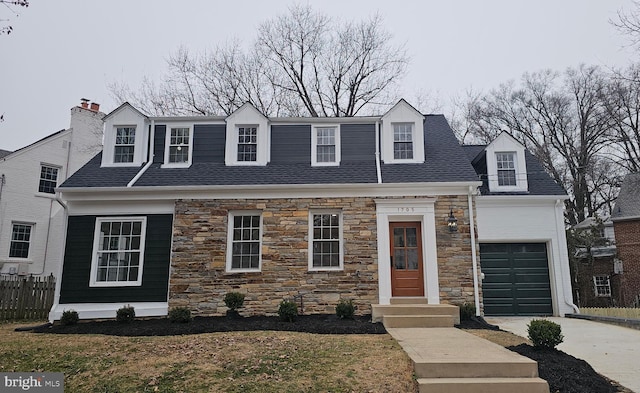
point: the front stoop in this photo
(414, 313)
(451, 360)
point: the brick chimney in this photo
(95, 107)
(84, 102)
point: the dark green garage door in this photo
(516, 279)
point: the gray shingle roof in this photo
(4, 153)
(444, 162)
(539, 181)
(628, 202)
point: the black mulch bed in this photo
(564, 373)
(320, 324)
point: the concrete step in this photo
(417, 321)
(477, 368)
(482, 385)
(408, 300)
(378, 310)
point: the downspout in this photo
(378, 170)
(150, 155)
(65, 217)
(474, 258)
(2, 181)
(566, 289)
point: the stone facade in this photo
(455, 265)
(628, 245)
(199, 279)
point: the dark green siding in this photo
(516, 279)
(77, 264)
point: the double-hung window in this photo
(602, 286)
(179, 146)
(125, 144)
(48, 179)
(403, 141)
(247, 143)
(506, 166)
(20, 240)
(325, 247)
(118, 251)
(244, 244)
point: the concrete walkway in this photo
(611, 350)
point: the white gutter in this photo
(65, 218)
(564, 268)
(378, 170)
(474, 258)
(151, 155)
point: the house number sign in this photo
(406, 209)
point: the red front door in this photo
(407, 277)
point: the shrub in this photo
(544, 333)
(288, 311)
(69, 317)
(234, 300)
(345, 309)
(180, 315)
(125, 314)
(467, 311)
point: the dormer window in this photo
(179, 142)
(325, 146)
(125, 144)
(403, 141)
(506, 166)
(247, 143)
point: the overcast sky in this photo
(61, 51)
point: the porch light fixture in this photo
(452, 222)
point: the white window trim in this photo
(111, 148)
(340, 242)
(31, 235)
(413, 142)
(595, 285)
(231, 216)
(94, 259)
(44, 164)
(515, 170)
(504, 143)
(314, 145)
(167, 142)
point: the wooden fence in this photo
(619, 312)
(26, 298)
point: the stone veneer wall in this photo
(199, 281)
(455, 265)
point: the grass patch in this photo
(259, 361)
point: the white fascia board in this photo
(267, 191)
(519, 199)
(190, 119)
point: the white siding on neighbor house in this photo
(521, 219)
(20, 201)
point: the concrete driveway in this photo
(611, 350)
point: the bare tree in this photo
(301, 63)
(10, 4)
(628, 23)
(563, 121)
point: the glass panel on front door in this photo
(405, 248)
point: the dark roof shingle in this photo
(628, 201)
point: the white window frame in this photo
(514, 159)
(605, 286)
(40, 179)
(116, 145)
(314, 145)
(230, 229)
(237, 143)
(167, 146)
(93, 282)
(312, 240)
(29, 242)
(413, 141)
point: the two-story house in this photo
(32, 218)
(178, 211)
(626, 222)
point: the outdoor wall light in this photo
(452, 222)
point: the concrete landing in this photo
(450, 360)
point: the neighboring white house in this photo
(32, 220)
